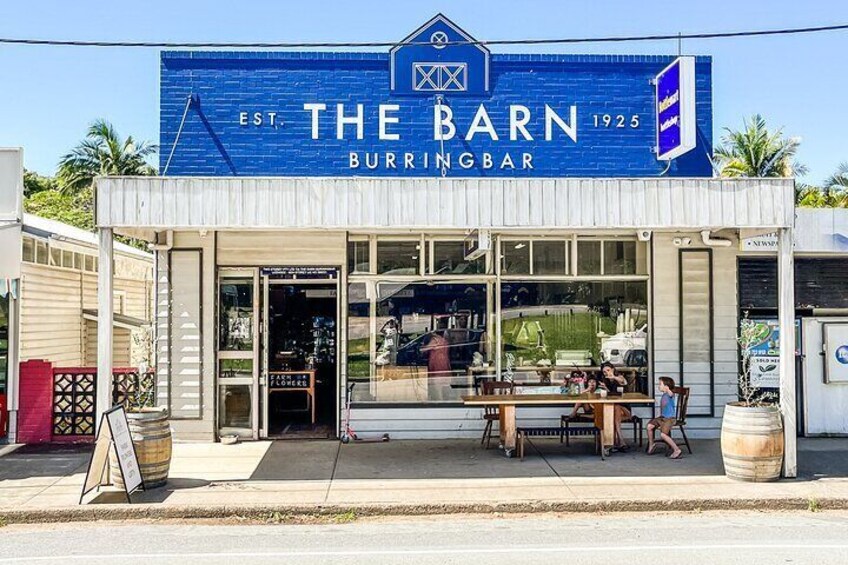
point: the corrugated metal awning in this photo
(119, 320)
(157, 203)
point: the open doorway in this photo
(301, 360)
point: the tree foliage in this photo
(755, 151)
(34, 183)
(73, 209)
(103, 152)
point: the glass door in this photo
(238, 353)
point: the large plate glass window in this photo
(563, 324)
(430, 338)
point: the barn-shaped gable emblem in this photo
(439, 57)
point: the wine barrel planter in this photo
(752, 442)
(151, 436)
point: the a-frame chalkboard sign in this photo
(114, 431)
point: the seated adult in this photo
(614, 383)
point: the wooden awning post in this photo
(786, 317)
(105, 282)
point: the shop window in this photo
(68, 259)
(398, 257)
(55, 257)
(90, 264)
(78, 261)
(515, 257)
(235, 406)
(565, 324)
(588, 258)
(431, 338)
(41, 253)
(449, 259)
(549, 258)
(358, 257)
(236, 320)
(623, 258)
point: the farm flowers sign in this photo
(763, 351)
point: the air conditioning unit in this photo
(477, 244)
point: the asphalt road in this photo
(632, 539)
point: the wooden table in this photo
(294, 381)
(507, 403)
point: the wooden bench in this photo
(557, 431)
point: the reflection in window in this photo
(516, 257)
(430, 337)
(588, 258)
(620, 258)
(449, 259)
(235, 368)
(359, 339)
(358, 257)
(235, 406)
(549, 258)
(398, 257)
(573, 323)
(4, 343)
(235, 331)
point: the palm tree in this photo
(757, 152)
(103, 152)
(836, 186)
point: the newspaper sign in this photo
(113, 433)
(765, 353)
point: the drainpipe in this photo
(710, 241)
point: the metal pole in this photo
(104, 322)
(786, 316)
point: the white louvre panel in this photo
(381, 203)
(185, 347)
(696, 328)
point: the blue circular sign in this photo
(842, 354)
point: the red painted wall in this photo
(35, 405)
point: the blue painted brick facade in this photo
(214, 143)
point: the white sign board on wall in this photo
(835, 353)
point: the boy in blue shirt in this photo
(667, 419)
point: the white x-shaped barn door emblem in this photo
(451, 77)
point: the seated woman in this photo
(614, 383)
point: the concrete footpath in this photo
(291, 478)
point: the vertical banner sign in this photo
(113, 433)
(765, 353)
(675, 109)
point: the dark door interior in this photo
(302, 337)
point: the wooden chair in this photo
(491, 414)
(681, 394)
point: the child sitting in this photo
(667, 419)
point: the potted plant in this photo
(148, 424)
(752, 427)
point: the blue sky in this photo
(48, 95)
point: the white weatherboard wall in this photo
(667, 331)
